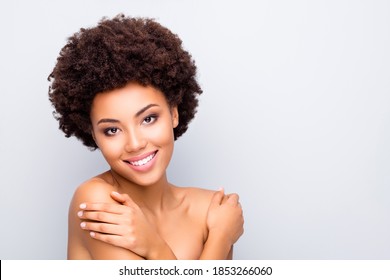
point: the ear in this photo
(175, 116)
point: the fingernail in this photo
(82, 224)
(83, 205)
(92, 234)
(116, 193)
(80, 213)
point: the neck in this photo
(154, 197)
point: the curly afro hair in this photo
(109, 56)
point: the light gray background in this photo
(294, 117)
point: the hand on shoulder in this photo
(93, 210)
(225, 225)
(223, 212)
(225, 217)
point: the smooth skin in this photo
(134, 212)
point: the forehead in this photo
(127, 100)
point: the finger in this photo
(108, 238)
(101, 227)
(115, 240)
(123, 199)
(99, 216)
(104, 207)
(225, 198)
(233, 199)
(217, 198)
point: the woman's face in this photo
(133, 128)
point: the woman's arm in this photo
(124, 225)
(225, 224)
(224, 221)
(80, 243)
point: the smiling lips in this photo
(142, 160)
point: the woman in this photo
(127, 88)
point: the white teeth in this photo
(143, 161)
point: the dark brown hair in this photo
(115, 52)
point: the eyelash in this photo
(154, 118)
(108, 131)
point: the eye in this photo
(150, 119)
(111, 131)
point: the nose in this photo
(135, 141)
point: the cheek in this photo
(162, 134)
(110, 148)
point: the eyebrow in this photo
(107, 121)
(144, 109)
(137, 115)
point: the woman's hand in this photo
(123, 225)
(225, 224)
(225, 217)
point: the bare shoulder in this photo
(93, 190)
(198, 194)
(197, 199)
(80, 244)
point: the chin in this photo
(142, 179)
